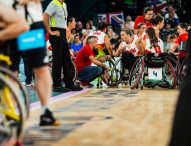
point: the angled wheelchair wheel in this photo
(23, 94)
(136, 73)
(111, 81)
(117, 72)
(182, 71)
(169, 74)
(73, 71)
(12, 109)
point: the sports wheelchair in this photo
(158, 71)
(130, 75)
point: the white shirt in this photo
(150, 49)
(101, 38)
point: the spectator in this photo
(71, 23)
(166, 32)
(111, 33)
(84, 58)
(79, 27)
(127, 25)
(132, 23)
(92, 24)
(77, 45)
(87, 30)
(172, 20)
(169, 9)
(113, 38)
(146, 18)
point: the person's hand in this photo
(57, 33)
(107, 57)
(106, 67)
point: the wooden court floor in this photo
(107, 117)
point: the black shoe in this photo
(48, 119)
(60, 89)
(75, 88)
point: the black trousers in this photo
(181, 131)
(128, 60)
(61, 59)
(28, 70)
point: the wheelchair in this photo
(131, 76)
(111, 82)
(158, 71)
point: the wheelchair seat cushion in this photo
(154, 61)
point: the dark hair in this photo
(183, 26)
(90, 38)
(69, 20)
(157, 19)
(147, 9)
(77, 36)
(173, 36)
(127, 31)
(102, 26)
(152, 36)
(140, 25)
(89, 24)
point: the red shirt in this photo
(141, 19)
(82, 59)
(182, 38)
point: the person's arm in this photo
(173, 48)
(120, 49)
(138, 42)
(108, 45)
(143, 46)
(47, 26)
(50, 10)
(84, 41)
(12, 24)
(97, 62)
(68, 34)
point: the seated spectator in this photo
(92, 24)
(132, 23)
(127, 25)
(83, 61)
(166, 31)
(170, 8)
(87, 30)
(79, 27)
(172, 20)
(77, 45)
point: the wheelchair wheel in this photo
(12, 110)
(169, 74)
(182, 71)
(73, 71)
(136, 73)
(111, 81)
(117, 72)
(23, 94)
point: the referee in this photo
(55, 20)
(181, 130)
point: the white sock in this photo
(43, 109)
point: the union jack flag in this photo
(157, 5)
(116, 18)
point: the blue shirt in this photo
(76, 47)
